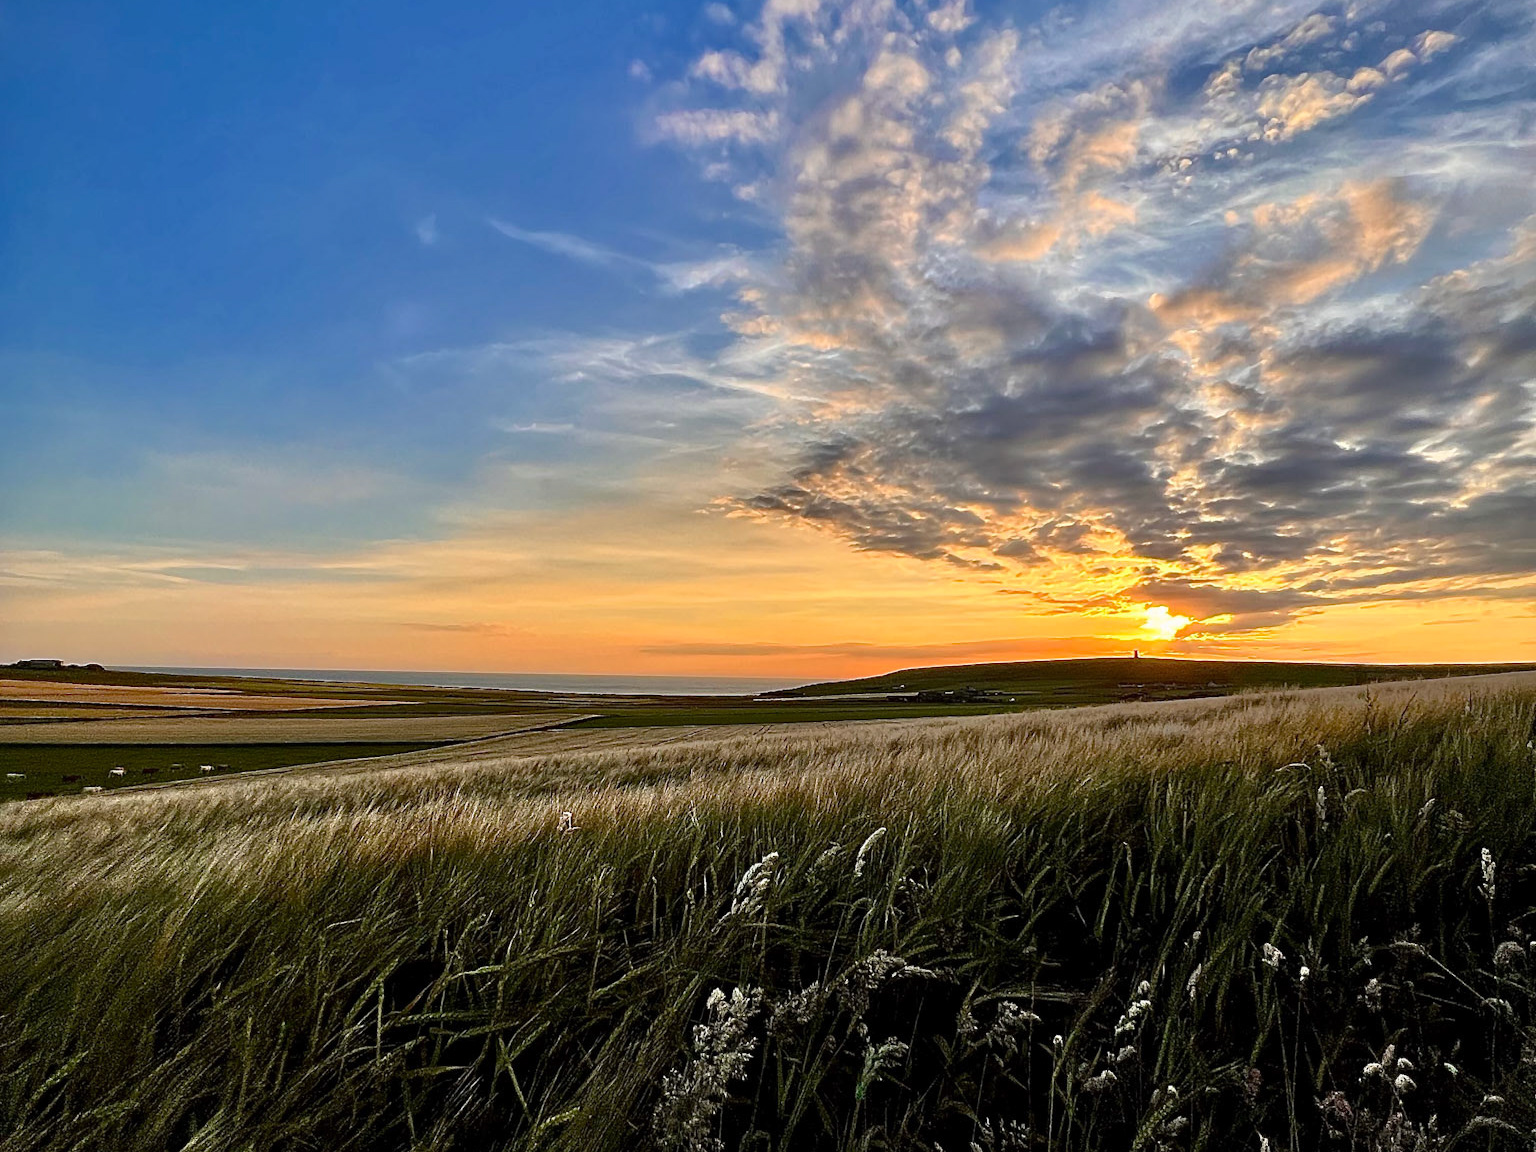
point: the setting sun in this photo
(1161, 624)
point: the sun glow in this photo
(1161, 624)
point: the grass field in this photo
(1295, 920)
(58, 769)
(776, 712)
(282, 729)
(1107, 680)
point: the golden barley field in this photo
(1301, 918)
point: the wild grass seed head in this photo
(1010, 1028)
(878, 1058)
(692, 1096)
(865, 849)
(752, 889)
(1508, 956)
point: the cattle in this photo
(72, 779)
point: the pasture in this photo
(1294, 919)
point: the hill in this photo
(1111, 679)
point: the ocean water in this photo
(521, 681)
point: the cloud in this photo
(1022, 648)
(1313, 28)
(1138, 310)
(466, 629)
(564, 244)
(426, 230)
(676, 276)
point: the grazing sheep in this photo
(15, 775)
(91, 788)
(118, 771)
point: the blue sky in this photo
(215, 222)
(1047, 319)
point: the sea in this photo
(515, 681)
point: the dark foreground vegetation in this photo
(1300, 921)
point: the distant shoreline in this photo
(511, 681)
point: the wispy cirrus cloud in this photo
(728, 267)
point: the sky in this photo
(801, 338)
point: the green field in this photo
(1293, 920)
(44, 766)
(790, 712)
(1106, 680)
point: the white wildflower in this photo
(797, 1009)
(1508, 955)
(1301, 977)
(1490, 868)
(1131, 1019)
(865, 848)
(1192, 985)
(1102, 1082)
(1372, 1069)
(1322, 805)
(1011, 1024)
(1451, 1068)
(692, 1096)
(1403, 1084)
(1273, 957)
(868, 974)
(567, 823)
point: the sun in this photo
(1161, 624)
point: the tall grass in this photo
(1290, 920)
